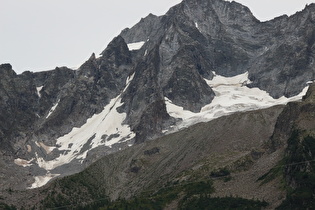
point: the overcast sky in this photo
(39, 35)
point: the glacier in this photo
(231, 96)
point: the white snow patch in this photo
(135, 45)
(53, 109)
(197, 26)
(42, 180)
(128, 80)
(29, 148)
(38, 90)
(22, 162)
(37, 144)
(100, 126)
(164, 131)
(231, 96)
(105, 128)
(48, 149)
(98, 55)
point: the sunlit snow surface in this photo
(232, 96)
(105, 128)
(135, 46)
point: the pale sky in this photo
(39, 35)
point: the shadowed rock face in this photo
(278, 54)
(18, 102)
(296, 116)
(190, 42)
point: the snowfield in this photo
(105, 128)
(232, 96)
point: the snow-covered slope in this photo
(104, 129)
(232, 95)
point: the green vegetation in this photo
(80, 191)
(75, 192)
(221, 173)
(300, 172)
(164, 196)
(205, 202)
(272, 173)
(6, 207)
(186, 196)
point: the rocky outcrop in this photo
(295, 134)
(295, 116)
(18, 105)
(228, 39)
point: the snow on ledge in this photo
(22, 162)
(38, 89)
(135, 45)
(53, 109)
(42, 180)
(232, 95)
(48, 149)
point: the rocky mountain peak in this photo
(202, 60)
(227, 12)
(6, 69)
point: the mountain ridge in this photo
(163, 63)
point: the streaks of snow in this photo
(38, 90)
(53, 109)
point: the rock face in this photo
(294, 132)
(226, 38)
(160, 57)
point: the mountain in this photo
(204, 61)
(256, 164)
